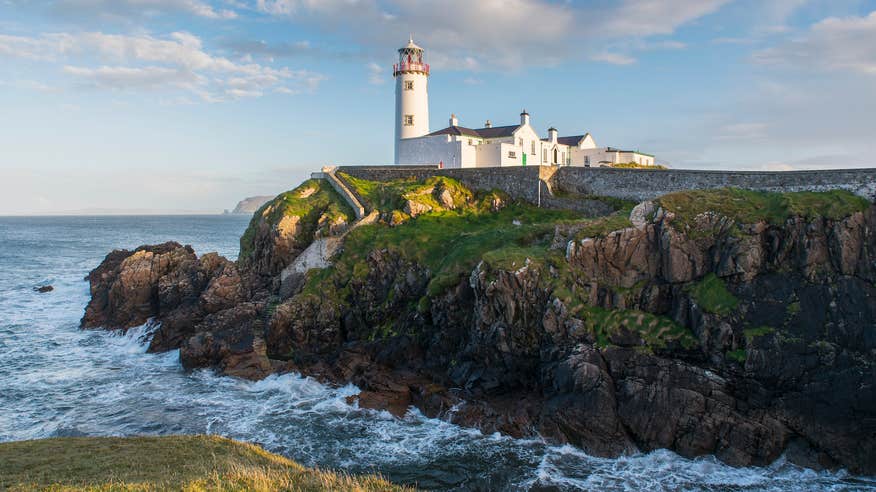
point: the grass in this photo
(193, 463)
(602, 226)
(315, 201)
(748, 207)
(393, 195)
(738, 355)
(450, 243)
(712, 295)
(752, 333)
(636, 165)
(655, 331)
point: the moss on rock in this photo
(749, 207)
(295, 218)
(712, 296)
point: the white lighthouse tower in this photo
(411, 94)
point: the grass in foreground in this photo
(193, 463)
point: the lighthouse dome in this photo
(411, 45)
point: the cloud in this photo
(127, 77)
(643, 18)
(33, 85)
(297, 49)
(178, 61)
(517, 33)
(376, 74)
(743, 131)
(138, 8)
(44, 48)
(613, 58)
(833, 44)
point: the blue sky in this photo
(190, 105)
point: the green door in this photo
(524, 158)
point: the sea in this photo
(58, 380)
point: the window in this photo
(512, 154)
(409, 85)
(533, 147)
(543, 155)
(520, 142)
(409, 120)
(469, 142)
(564, 158)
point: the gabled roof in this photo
(492, 132)
(572, 140)
(497, 131)
(456, 130)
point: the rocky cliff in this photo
(723, 322)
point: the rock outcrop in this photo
(199, 303)
(703, 334)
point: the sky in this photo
(192, 105)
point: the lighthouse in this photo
(411, 94)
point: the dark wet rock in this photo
(790, 368)
(42, 289)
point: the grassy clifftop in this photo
(748, 207)
(162, 463)
(441, 224)
(317, 205)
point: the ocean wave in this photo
(59, 380)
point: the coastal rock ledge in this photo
(732, 323)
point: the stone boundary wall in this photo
(629, 184)
(351, 198)
(645, 184)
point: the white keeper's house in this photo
(490, 146)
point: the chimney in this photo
(488, 124)
(454, 121)
(552, 134)
(524, 118)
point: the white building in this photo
(490, 146)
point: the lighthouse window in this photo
(409, 120)
(409, 85)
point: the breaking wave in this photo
(58, 380)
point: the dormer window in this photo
(409, 85)
(409, 120)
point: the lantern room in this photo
(410, 59)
